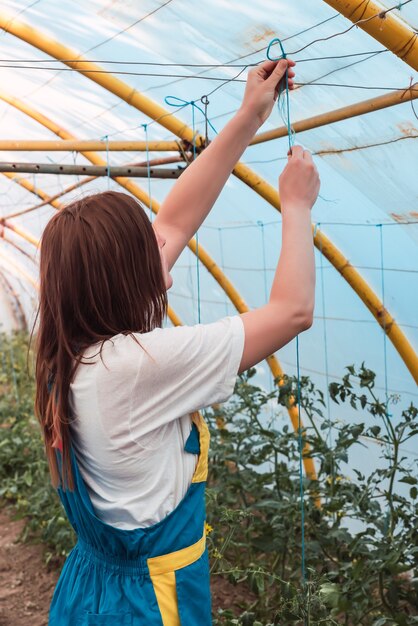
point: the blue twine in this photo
(173, 101)
(284, 110)
(263, 245)
(382, 274)
(324, 314)
(197, 232)
(300, 443)
(106, 139)
(321, 265)
(145, 127)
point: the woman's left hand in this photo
(263, 85)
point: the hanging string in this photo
(106, 139)
(300, 444)
(324, 315)
(263, 249)
(284, 110)
(223, 267)
(75, 163)
(382, 276)
(388, 415)
(197, 232)
(145, 127)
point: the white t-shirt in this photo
(131, 411)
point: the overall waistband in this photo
(132, 567)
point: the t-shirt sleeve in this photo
(182, 370)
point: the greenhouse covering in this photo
(149, 83)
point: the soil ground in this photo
(27, 583)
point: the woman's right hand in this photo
(299, 182)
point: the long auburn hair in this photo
(100, 275)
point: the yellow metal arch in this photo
(391, 31)
(199, 251)
(114, 85)
(174, 318)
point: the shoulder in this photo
(169, 345)
(178, 336)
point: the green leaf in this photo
(409, 480)
(330, 595)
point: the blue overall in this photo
(154, 576)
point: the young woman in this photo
(117, 394)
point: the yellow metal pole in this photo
(176, 126)
(344, 113)
(40, 145)
(27, 236)
(203, 256)
(383, 25)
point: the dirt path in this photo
(27, 585)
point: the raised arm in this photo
(197, 189)
(290, 308)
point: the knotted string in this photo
(174, 101)
(283, 105)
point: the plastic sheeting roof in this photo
(368, 164)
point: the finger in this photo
(297, 152)
(279, 71)
(307, 156)
(266, 68)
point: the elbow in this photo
(304, 320)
